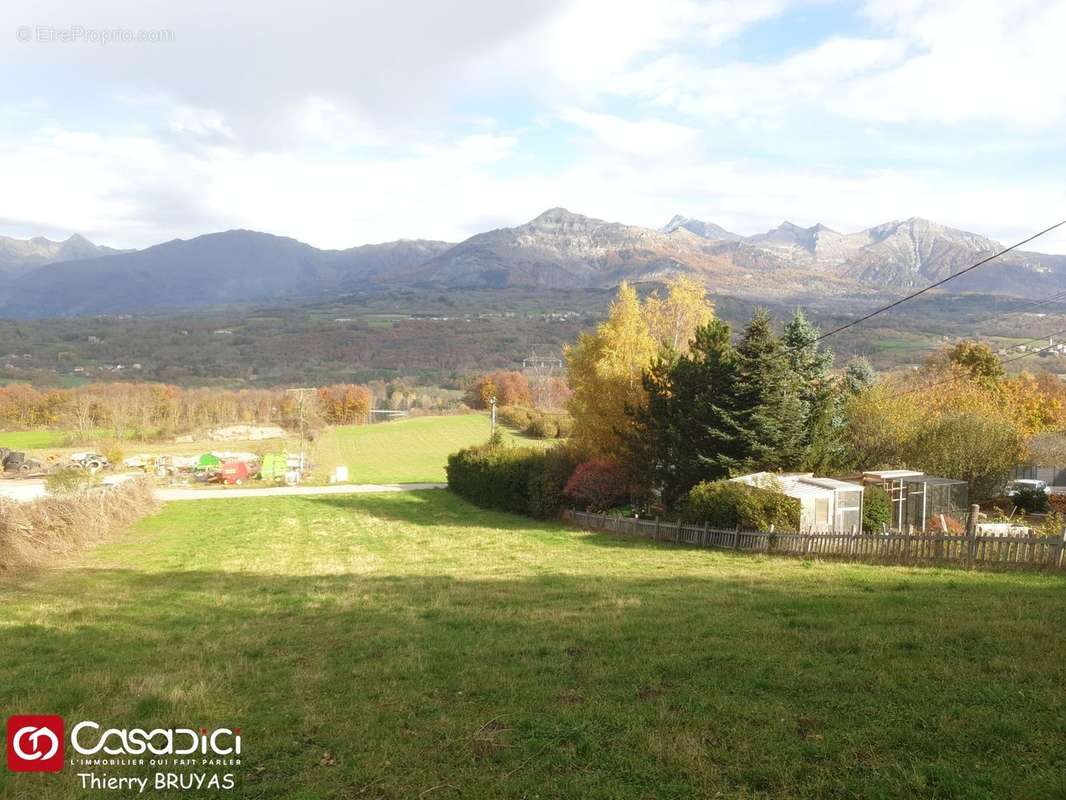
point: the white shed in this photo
(826, 504)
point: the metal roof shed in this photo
(826, 504)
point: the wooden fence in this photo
(898, 547)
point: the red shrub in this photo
(598, 485)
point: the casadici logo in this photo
(35, 743)
(174, 758)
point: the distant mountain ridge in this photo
(21, 255)
(901, 254)
(215, 269)
(558, 249)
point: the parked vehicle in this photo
(1026, 484)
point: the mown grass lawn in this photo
(406, 646)
(405, 451)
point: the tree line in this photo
(665, 391)
(154, 409)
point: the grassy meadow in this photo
(411, 450)
(33, 440)
(410, 645)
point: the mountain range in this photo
(558, 249)
(21, 255)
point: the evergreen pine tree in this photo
(824, 423)
(685, 433)
(859, 375)
(770, 412)
(709, 438)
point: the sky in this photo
(139, 121)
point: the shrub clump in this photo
(523, 480)
(597, 485)
(1030, 501)
(876, 509)
(729, 504)
(70, 482)
(536, 423)
(543, 427)
(514, 417)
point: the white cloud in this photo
(137, 191)
(646, 138)
(803, 81)
(200, 122)
(340, 124)
(996, 63)
(592, 43)
(939, 63)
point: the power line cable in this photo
(941, 282)
(1026, 354)
(1056, 297)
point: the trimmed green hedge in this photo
(728, 504)
(523, 480)
(876, 509)
(536, 423)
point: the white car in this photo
(1026, 483)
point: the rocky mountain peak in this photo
(556, 216)
(705, 230)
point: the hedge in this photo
(729, 504)
(523, 480)
(536, 423)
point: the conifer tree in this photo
(686, 432)
(770, 413)
(824, 413)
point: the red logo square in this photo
(35, 743)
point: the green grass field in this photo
(32, 440)
(405, 451)
(406, 646)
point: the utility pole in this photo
(492, 404)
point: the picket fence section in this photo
(970, 548)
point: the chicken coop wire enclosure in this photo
(929, 498)
(924, 502)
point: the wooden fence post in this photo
(1060, 545)
(677, 533)
(736, 538)
(971, 533)
(704, 539)
(657, 528)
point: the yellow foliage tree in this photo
(604, 371)
(1038, 408)
(605, 368)
(675, 318)
(959, 418)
